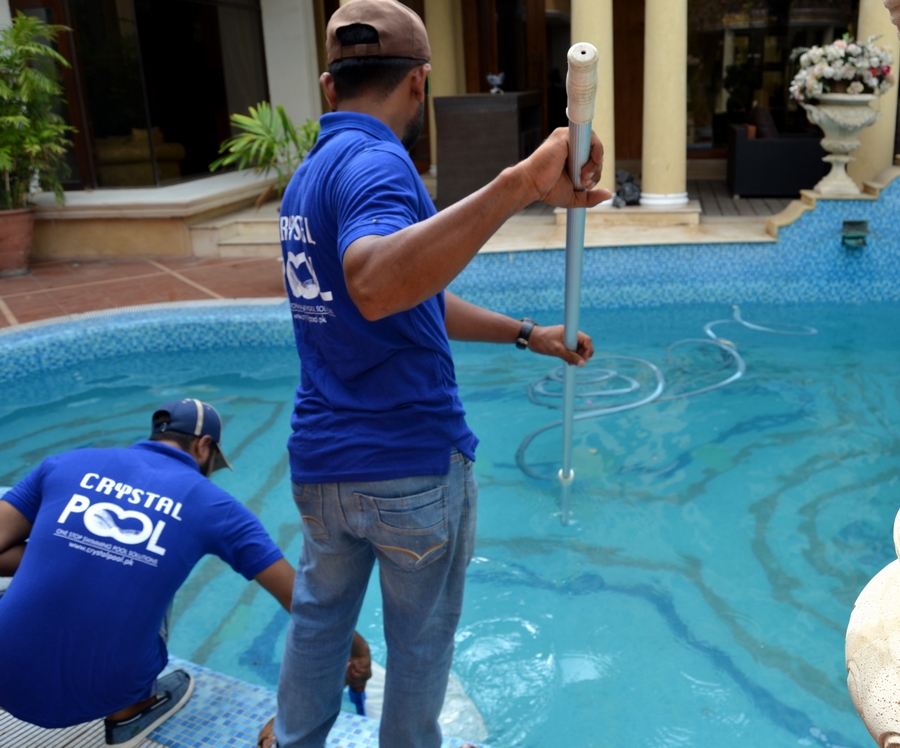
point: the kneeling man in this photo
(112, 534)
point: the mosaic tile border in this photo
(807, 264)
(198, 303)
(245, 323)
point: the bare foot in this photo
(266, 738)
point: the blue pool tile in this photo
(226, 711)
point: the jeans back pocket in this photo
(411, 530)
(309, 501)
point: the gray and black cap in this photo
(195, 418)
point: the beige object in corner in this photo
(843, 117)
(127, 161)
(873, 653)
(894, 7)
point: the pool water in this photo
(700, 594)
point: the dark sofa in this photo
(773, 167)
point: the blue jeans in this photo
(422, 532)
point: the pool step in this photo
(249, 232)
(244, 233)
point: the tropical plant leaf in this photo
(268, 141)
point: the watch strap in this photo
(525, 332)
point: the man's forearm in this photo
(10, 560)
(278, 580)
(465, 321)
(14, 527)
(391, 274)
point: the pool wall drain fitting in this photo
(547, 391)
(854, 234)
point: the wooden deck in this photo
(717, 201)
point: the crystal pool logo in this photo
(106, 520)
(296, 228)
(303, 288)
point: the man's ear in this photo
(417, 77)
(327, 84)
(201, 448)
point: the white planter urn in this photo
(873, 653)
(842, 117)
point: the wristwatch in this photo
(525, 332)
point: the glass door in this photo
(80, 158)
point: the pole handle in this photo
(581, 82)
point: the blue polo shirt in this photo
(376, 400)
(115, 534)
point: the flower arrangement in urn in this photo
(835, 85)
(844, 66)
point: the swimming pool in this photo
(719, 541)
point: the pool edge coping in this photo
(138, 308)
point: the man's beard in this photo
(414, 128)
(207, 467)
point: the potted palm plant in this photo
(268, 141)
(33, 136)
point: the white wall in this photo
(289, 33)
(5, 15)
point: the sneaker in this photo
(172, 693)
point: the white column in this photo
(5, 14)
(592, 21)
(289, 33)
(876, 150)
(664, 159)
(443, 21)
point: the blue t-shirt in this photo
(115, 534)
(376, 400)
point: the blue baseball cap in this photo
(192, 417)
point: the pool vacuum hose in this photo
(581, 90)
(609, 382)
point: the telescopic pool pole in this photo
(581, 89)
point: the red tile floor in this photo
(52, 289)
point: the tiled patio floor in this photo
(53, 289)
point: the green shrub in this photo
(33, 137)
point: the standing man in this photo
(112, 534)
(381, 456)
